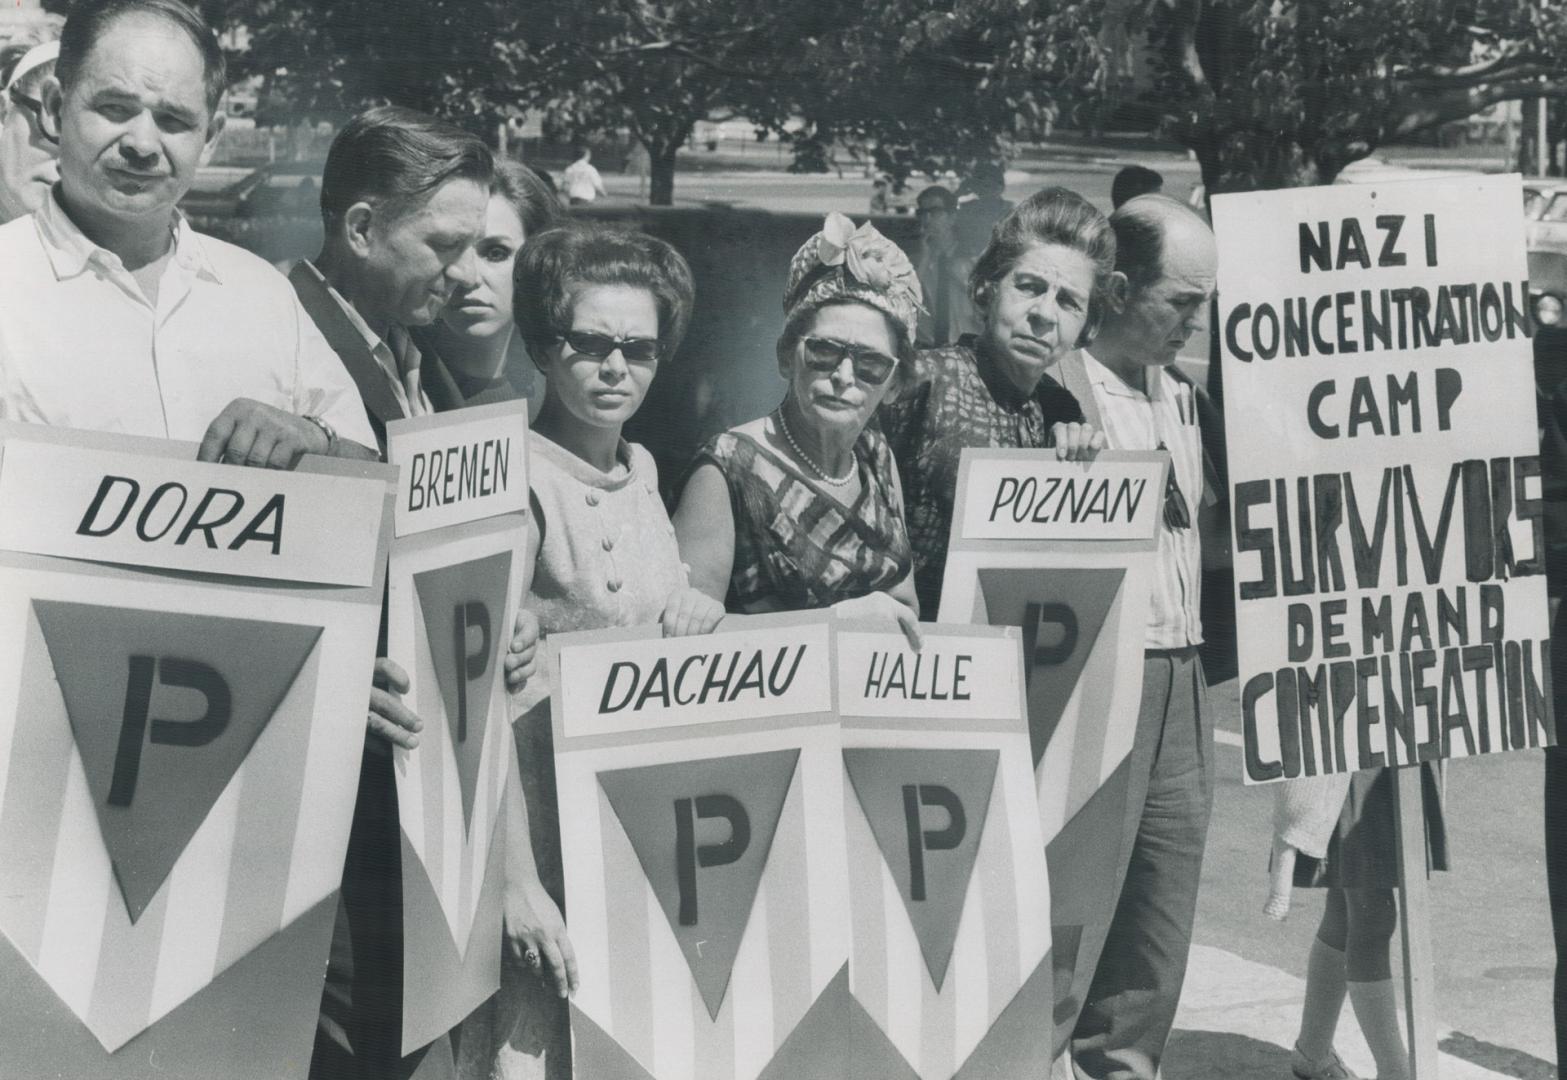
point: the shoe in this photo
(1331, 1067)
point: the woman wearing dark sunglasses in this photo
(801, 508)
(1038, 289)
(598, 310)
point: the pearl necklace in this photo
(835, 481)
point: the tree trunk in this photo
(661, 187)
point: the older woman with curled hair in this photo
(598, 310)
(1039, 289)
(801, 508)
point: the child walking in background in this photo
(1338, 832)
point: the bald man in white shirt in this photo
(1166, 267)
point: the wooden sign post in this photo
(1385, 491)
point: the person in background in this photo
(583, 182)
(1339, 831)
(1132, 181)
(802, 509)
(598, 310)
(948, 313)
(29, 144)
(1039, 290)
(982, 209)
(1165, 272)
(475, 341)
(881, 194)
(1553, 480)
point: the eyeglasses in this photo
(41, 118)
(599, 346)
(932, 210)
(826, 355)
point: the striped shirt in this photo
(1165, 418)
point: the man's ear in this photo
(214, 132)
(52, 94)
(358, 220)
(1117, 291)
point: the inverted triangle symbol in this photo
(164, 707)
(1061, 613)
(927, 810)
(463, 606)
(702, 831)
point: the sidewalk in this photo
(1238, 1021)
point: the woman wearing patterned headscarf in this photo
(802, 508)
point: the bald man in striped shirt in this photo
(1166, 264)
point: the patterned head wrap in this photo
(845, 263)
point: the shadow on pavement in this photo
(1221, 1055)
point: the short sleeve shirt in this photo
(80, 346)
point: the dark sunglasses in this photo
(870, 367)
(599, 346)
(41, 118)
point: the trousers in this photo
(1131, 1002)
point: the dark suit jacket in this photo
(351, 349)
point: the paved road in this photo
(1491, 930)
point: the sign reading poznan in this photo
(1384, 472)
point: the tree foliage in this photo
(1274, 93)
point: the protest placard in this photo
(949, 904)
(1384, 475)
(454, 581)
(184, 655)
(701, 809)
(1064, 552)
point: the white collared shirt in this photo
(1165, 416)
(81, 346)
(402, 372)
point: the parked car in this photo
(284, 189)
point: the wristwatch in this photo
(328, 431)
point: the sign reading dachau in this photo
(1384, 472)
(1064, 552)
(184, 655)
(701, 811)
(949, 904)
(453, 584)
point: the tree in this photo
(329, 59)
(656, 69)
(1277, 93)
(933, 85)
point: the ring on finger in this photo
(532, 958)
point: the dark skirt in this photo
(1363, 852)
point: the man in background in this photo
(978, 215)
(28, 148)
(583, 182)
(948, 312)
(1132, 181)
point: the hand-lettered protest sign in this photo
(453, 584)
(1384, 472)
(949, 903)
(1064, 551)
(186, 651)
(701, 810)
